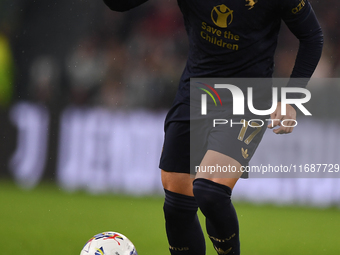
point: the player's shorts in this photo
(186, 141)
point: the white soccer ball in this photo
(109, 243)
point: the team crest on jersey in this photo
(222, 16)
(251, 3)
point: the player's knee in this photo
(178, 206)
(180, 183)
(208, 195)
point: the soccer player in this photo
(228, 38)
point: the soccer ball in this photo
(109, 243)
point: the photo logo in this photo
(204, 97)
(222, 16)
(239, 100)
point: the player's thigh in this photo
(177, 182)
(175, 158)
(219, 168)
(230, 147)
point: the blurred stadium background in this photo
(83, 95)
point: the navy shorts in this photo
(187, 140)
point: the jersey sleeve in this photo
(123, 5)
(302, 22)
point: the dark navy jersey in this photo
(238, 38)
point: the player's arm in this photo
(123, 5)
(302, 22)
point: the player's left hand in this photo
(277, 118)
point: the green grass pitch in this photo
(46, 220)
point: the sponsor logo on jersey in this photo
(298, 8)
(222, 16)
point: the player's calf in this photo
(183, 229)
(221, 220)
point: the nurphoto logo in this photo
(238, 102)
(238, 99)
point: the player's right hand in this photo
(278, 118)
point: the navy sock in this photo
(183, 229)
(221, 220)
